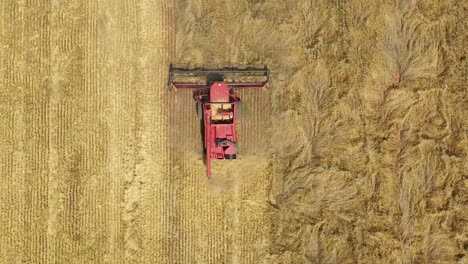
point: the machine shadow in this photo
(202, 142)
(212, 78)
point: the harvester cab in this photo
(218, 106)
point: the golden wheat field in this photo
(356, 152)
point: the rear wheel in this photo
(230, 156)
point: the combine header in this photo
(218, 106)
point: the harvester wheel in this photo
(200, 111)
(240, 109)
(230, 156)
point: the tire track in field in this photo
(207, 218)
(180, 123)
(117, 53)
(154, 53)
(79, 217)
(194, 224)
(11, 189)
(27, 129)
(195, 227)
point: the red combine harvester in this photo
(218, 106)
